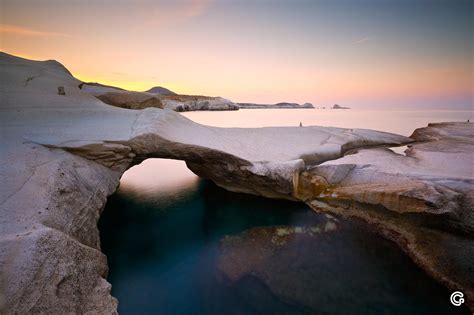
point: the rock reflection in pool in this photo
(164, 246)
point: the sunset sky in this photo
(375, 53)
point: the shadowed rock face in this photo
(63, 155)
(130, 100)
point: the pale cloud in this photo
(24, 31)
(362, 40)
(179, 11)
(196, 7)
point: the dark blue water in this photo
(162, 247)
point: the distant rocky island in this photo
(336, 106)
(277, 105)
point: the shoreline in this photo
(65, 154)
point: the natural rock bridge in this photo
(62, 155)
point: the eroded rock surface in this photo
(422, 200)
(62, 155)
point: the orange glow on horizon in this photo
(225, 49)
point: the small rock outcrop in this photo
(336, 106)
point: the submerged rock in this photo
(423, 201)
(326, 267)
(283, 258)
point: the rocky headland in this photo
(62, 155)
(277, 105)
(157, 97)
(184, 103)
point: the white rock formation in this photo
(423, 200)
(183, 103)
(168, 100)
(62, 155)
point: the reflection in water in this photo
(162, 242)
(158, 176)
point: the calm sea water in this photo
(401, 122)
(161, 232)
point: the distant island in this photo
(336, 106)
(277, 105)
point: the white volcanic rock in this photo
(183, 103)
(423, 200)
(62, 155)
(97, 89)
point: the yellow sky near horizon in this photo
(254, 52)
